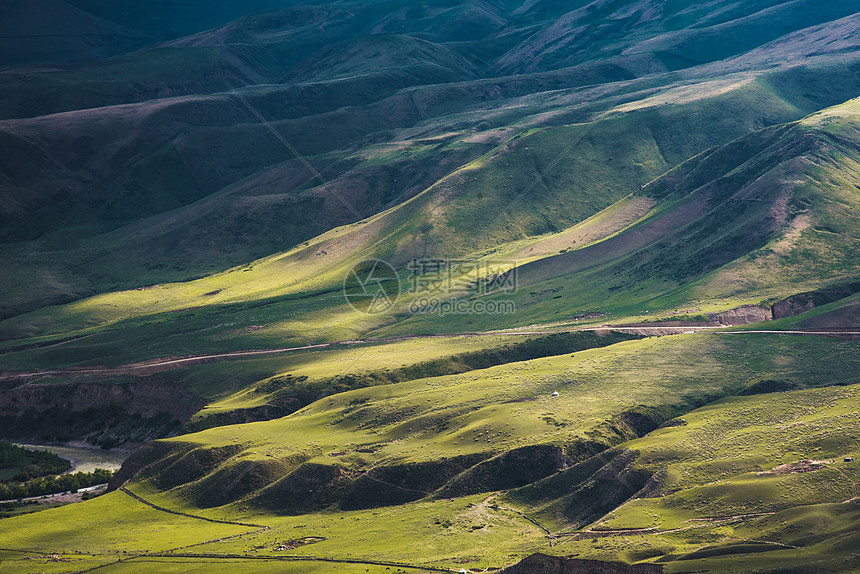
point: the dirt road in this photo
(168, 363)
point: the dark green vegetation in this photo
(80, 31)
(21, 464)
(26, 472)
(53, 484)
(173, 269)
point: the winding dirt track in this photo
(204, 556)
(167, 363)
(185, 514)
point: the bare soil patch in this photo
(795, 467)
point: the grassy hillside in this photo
(82, 31)
(772, 208)
(509, 407)
(702, 472)
(751, 222)
(385, 101)
(764, 218)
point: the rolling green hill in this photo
(385, 101)
(725, 486)
(773, 208)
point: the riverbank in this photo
(84, 459)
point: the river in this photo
(85, 459)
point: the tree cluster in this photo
(54, 484)
(32, 463)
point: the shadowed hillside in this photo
(81, 31)
(383, 101)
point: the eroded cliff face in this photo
(545, 564)
(147, 397)
(794, 305)
(103, 413)
(744, 315)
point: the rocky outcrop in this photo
(146, 397)
(794, 305)
(744, 315)
(544, 564)
(110, 415)
(803, 302)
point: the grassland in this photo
(295, 295)
(686, 244)
(210, 205)
(505, 407)
(728, 493)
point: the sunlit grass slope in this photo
(449, 220)
(150, 168)
(605, 395)
(765, 217)
(731, 492)
(723, 488)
